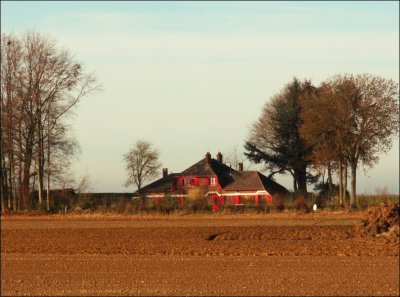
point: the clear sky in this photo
(191, 77)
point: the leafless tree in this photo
(142, 163)
(43, 84)
(360, 113)
(13, 122)
(319, 133)
(234, 157)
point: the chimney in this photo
(219, 158)
(165, 172)
(240, 166)
(208, 158)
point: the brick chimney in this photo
(208, 158)
(165, 172)
(219, 157)
(240, 166)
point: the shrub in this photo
(197, 199)
(278, 203)
(168, 204)
(84, 201)
(301, 203)
(321, 201)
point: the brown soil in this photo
(381, 220)
(196, 256)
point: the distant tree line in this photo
(307, 130)
(40, 85)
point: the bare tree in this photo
(142, 163)
(13, 121)
(43, 84)
(234, 157)
(61, 148)
(360, 113)
(320, 134)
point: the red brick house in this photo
(220, 183)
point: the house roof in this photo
(245, 181)
(272, 186)
(202, 168)
(161, 185)
(254, 181)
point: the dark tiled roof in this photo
(254, 181)
(162, 185)
(245, 181)
(272, 186)
(202, 168)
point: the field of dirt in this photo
(276, 254)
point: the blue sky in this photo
(191, 77)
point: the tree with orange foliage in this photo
(353, 118)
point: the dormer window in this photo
(213, 181)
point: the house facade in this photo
(218, 182)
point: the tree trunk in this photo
(48, 166)
(301, 181)
(294, 184)
(345, 182)
(340, 182)
(11, 180)
(40, 175)
(3, 170)
(353, 185)
(40, 158)
(16, 204)
(25, 191)
(12, 189)
(3, 204)
(33, 185)
(4, 186)
(142, 197)
(48, 193)
(3, 191)
(330, 178)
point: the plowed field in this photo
(282, 254)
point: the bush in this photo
(301, 203)
(278, 203)
(168, 204)
(197, 199)
(84, 201)
(321, 201)
(325, 195)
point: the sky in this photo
(191, 77)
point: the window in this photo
(189, 182)
(212, 181)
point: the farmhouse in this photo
(218, 182)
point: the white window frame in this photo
(189, 182)
(213, 181)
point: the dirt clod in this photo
(381, 220)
